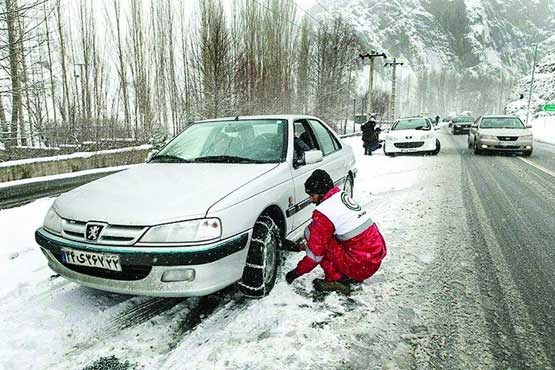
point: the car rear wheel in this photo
(259, 275)
(348, 187)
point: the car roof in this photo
(288, 117)
(500, 116)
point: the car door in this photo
(317, 136)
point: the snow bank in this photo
(543, 128)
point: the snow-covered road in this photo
(423, 308)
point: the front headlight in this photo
(488, 137)
(526, 137)
(187, 231)
(391, 138)
(426, 137)
(53, 222)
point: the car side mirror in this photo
(151, 154)
(313, 156)
(474, 125)
(528, 126)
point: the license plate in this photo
(409, 150)
(99, 260)
(506, 143)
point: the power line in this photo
(304, 11)
(323, 7)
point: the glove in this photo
(291, 276)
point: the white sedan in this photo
(411, 135)
(210, 209)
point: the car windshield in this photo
(501, 122)
(463, 119)
(411, 124)
(241, 141)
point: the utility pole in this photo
(354, 114)
(531, 84)
(372, 55)
(393, 64)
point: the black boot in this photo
(341, 286)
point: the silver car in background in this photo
(500, 134)
(211, 209)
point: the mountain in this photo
(476, 35)
(483, 44)
(543, 90)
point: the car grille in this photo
(127, 273)
(111, 234)
(414, 144)
(507, 138)
(507, 147)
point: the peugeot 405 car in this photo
(411, 135)
(501, 134)
(210, 209)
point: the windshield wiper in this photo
(227, 159)
(169, 158)
(419, 127)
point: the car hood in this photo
(410, 134)
(505, 131)
(156, 193)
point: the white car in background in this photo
(212, 208)
(411, 135)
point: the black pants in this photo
(367, 149)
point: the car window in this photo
(411, 124)
(229, 141)
(502, 122)
(327, 141)
(463, 119)
(303, 133)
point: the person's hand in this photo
(301, 245)
(291, 276)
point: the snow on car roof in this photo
(266, 116)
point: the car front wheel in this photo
(259, 275)
(476, 149)
(438, 148)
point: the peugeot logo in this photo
(408, 137)
(92, 231)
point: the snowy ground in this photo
(543, 128)
(391, 322)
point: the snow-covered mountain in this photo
(543, 91)
(476, 36)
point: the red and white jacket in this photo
(341, 221)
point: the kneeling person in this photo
(342, 238)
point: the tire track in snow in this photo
(514, 339)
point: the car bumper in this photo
(516, 146)
(215, 266)
(408, 146)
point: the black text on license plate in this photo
(99, 260)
